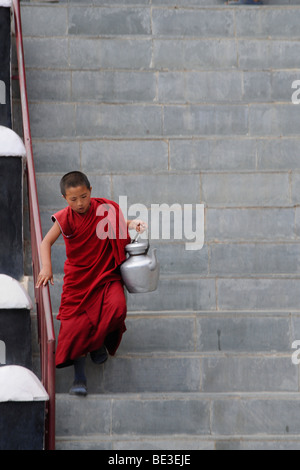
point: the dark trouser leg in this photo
(79, 384)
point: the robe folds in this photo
(93, 306)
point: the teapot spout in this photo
(153, 262)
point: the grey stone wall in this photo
(185, 105)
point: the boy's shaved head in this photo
(73, 179)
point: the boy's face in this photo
(79, 198)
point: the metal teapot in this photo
(140, 272)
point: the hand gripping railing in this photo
(42, 294)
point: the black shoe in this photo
(100, 355)
(79, 389)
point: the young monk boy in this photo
(93, 306)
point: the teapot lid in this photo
(137, 247)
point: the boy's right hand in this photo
(44, 276)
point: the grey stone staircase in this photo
(181, 102)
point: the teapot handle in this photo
(135, 239)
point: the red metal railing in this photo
(42, 295)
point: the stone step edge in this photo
(173, 354)
(146, 401)
(184, 396)
(182, 444)
(240, 313)
(213, 6)
(177, 437)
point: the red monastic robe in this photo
(93, 306)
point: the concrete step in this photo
(205, 332)
(166, 3)
(179, 372)
(195, 351)
(154, 443)
(192, 18)
(218, 58)
(191, 351)
(175, 420)
(279, 293)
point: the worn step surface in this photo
(174, 421)
(189, 373)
